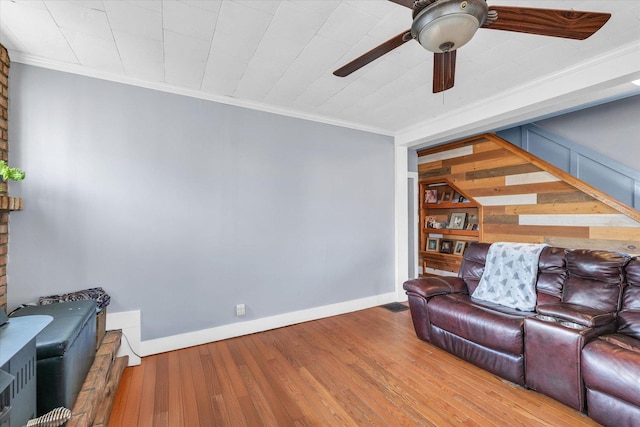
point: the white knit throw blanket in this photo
(510, 275)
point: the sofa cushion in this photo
(472, 266)
(580, 314)
(552, 274)
(611, 364)
(595, 278)
(488, 324)
(629, 316)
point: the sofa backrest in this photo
(591, 278)
(552, 275)
(595, 278)
(472, 266)
(552, 271)
(629, 316)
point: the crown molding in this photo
(27, 59)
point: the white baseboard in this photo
(189, 339)
(129, 322)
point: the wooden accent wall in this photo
(525, 199)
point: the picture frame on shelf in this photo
(459, 246)
(475, 227)
(469, 226)
(457, 220)
(433, 245)
(431, 196)
(430, 222)
(446, 246)
(447, 195)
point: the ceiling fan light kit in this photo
(443, 26)
(448, 24)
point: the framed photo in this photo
(458, 247)
(446, 246)
(457, 220)
(433, 245)
(431, 196)
(430, 222)
(447, 195)
(469, 226)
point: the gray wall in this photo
(612, 129)
(183, 208)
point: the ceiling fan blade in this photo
(444, 70)
(405, 3)
(570, 24)
(373, 54)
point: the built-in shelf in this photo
(440, 203)
(447, 231)
(450, 205)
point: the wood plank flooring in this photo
(361, 368)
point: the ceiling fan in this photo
(443, 26)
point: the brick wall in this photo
(4, 153)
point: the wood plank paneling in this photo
(492, 167)
(574, 220)
(615, 233)
(514, 169)
(500, 219)
(565, 197)
(429, 166)
(530, 178)
(524, 199)
(498, 154)
(539, 188)
(473, 141)
(560, 208)
(496, 210)
(514, 199)
(480, 147)
(462, 182)
(430, 173)
(538, 230)
(518, 238)
(629, 247)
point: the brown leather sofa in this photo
(578, 299)
(611, 363)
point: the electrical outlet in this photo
(240, 311)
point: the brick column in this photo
(4, 154)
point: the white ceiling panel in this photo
(142, 58)
(47, 42)
(135, 18)
(280, 54)
(77, 18)
(95, 52)
(189, 20)
(185, 59)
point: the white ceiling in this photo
(279, 56)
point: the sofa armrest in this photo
(430, 286)
(580, 314)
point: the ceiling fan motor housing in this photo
(447, 25)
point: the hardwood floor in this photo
(362, 368)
